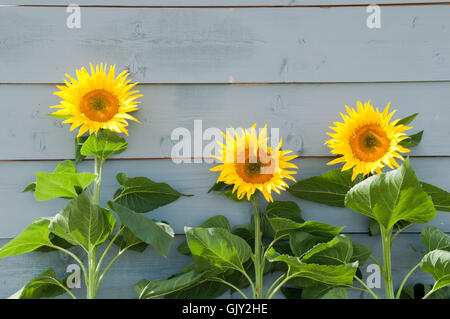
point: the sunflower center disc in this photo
(99, 105)
(370, 143)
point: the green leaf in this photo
(317, 290)
(79, 141)
(287, 209)
(157, 288)
(217, 247)
(437, 263)
(45, 285)
(283, 227)
(329, 188)
(407, 120)
(83, 223)
(204, 290)
(30, 188)
(374, 228)
(391, 197)
(336, 293)
(432, 238)
(157, 234)
(58, 116)
(129, 241)
(227, 190)
(331, 275)
(360, 253)
(34, 236)
(441, 198)
(233, 196)
(301, 242)
(220, 187)
(413, 140)
(337, 251)
(63, 182)
(246, 232)
(291, 292)
(103, 144)
(218, 221)
(142, 195)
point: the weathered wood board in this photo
(302, 112)
(219, 3)
(222, 45)
(20, 209)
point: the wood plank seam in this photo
(324, 6)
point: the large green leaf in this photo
(284, 209)
(157, 234)
(83, 223)
(283, 227)
(440, 197)
(142, 195)
(360, 253)
(45, 285)
(418, 291)
(337, 251)
(217, 247)
(63, 182)
(329, 188)
(103, 144)
(128, 240)
(437, 263)
(157, 288)
(336, 293)
(203, 290)
(301, 241)
(327, 274)
(391, 197)
(218, 221)
(34, 236)
(432, 238)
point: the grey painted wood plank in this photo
(132, 266)
(302, 112)
(215, 3)
(20, 209)
(220, 45)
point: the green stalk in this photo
(92, 254)
(259, 263)
(92, 286)
(387, 267)
(98, 180)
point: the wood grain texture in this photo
(217, 3)
(132, 266)
(219, 45)
(20, 209)
(302, 112)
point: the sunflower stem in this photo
(259, 262)
(387, 267)
(92, 254)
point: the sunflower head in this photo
(99, 100)
(250, 165)
(367, 140)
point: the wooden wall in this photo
(291, 64)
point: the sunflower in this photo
(367, 140)
(97, 101)
(250, 165)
